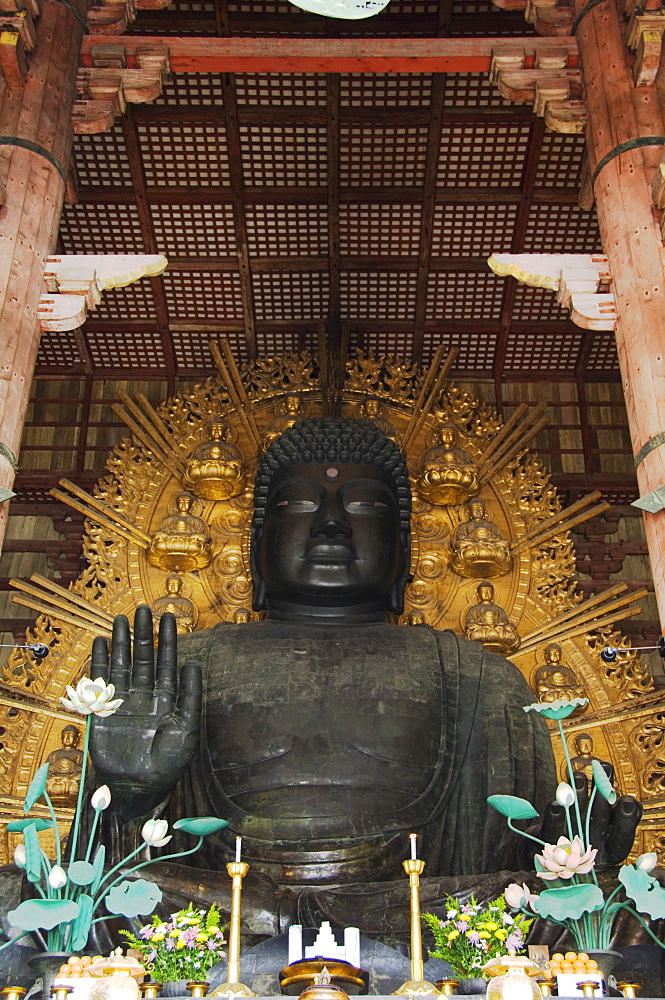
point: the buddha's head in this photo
(485, 592)
(173, 585)
(292, 405)
(183, 502)
(241, 616)
(372, 407)
(476, 509)
(330, 536)
(417, 618)
(553, 653)
(584, 745)
(70, 736)
(447, 435)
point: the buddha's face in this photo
(485, 592)
(292, 405)
(372, 408)
(477, 510)
(447, 437)
(584, 746)
(183, 503)
(331, 536)
(69, 737)
(173, 585)
(218, 431)
(553, 654)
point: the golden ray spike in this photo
(93, 515)
(250, 429)
(586, 612)
(580, 628)
(424, 389)
(58, 602)
(146, 440)
(239, 387)
(152, 415)
(590, 602)
(560, 515)
(429, 402)
(165, 445)
(71, 595)
(503, 432)
(103, 508)
(551, 529)
(517, 439)
(518, 448)
(62, 616)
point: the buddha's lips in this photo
(330, 552)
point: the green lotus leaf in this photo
(37, 787)
(208, 824)
(98, 865)
(602, 782)
(644, 890)
(18, 825)
(46, 913)
(80, 928)
(512, 806)
(133, 898)
(570, 902)
(81, 873)
(33, 853)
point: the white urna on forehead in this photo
(332, 473)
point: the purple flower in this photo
(152, 955)
(473, 937)
(189, 936)
(212, 945)
(461, 926)
(169, 944)
(514, 941)
(146, 932)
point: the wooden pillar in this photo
(40, 114)
(619, 113)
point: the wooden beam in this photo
(330, 55)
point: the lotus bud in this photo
(19, 856)
(565, 795)
(647, 861)
(101, 798)
(57, 877)
(515, 896)
(154, 832)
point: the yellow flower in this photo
(484, 934)
(158, 937)
(492, 927)
(465, 917)
(202, 936)
(453, 935)
(192, 920)
(175, 933)
(180, 944)
(501, 934)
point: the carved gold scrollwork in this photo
(648, 739)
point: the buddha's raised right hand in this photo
(142, 750)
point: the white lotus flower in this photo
(153, 832)
(101, 798)
(565, 859)
(517, 896)
(57, 877)
(647, 861)
(92, 698)
(19, 855)
(565, 795)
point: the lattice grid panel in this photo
(379, 229)
(377, 295)
(286, 229)
(476, 351)
(166, 153)
(561, 229)
(398, 342)
(128, 350)
(133, 302)
(261, 7)
(380, 90)
(293, 90)
(101, 228)
(463, 296)
(101, 160)
(560, 160)
(58, 349)
(274, 342)
(472, 90)
(483, 155)
(203, 295)
(472, 230)
(295, 295)
(201, 230)
(284, 154)
(547, 352)
(536, 304)
(603, 355)
(191, 90)
(382, 156)
(192, 351)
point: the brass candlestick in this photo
(416, 986)
(233, 987)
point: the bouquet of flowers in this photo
(185, 947)
(473, 933)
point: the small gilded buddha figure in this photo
(488, 623)
(478, 547)
(242, 616)
(181, 543)
(447, 474)
(582, 745)
(372, 409)
(553, 680)
(287, 413)
(65, 766)
(417, 618)
(185, 611)
(216, 469)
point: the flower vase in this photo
(175, 988)
(607, 960)
(472, 986)
(45, 965)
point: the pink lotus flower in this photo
(566, 859)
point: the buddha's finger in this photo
(143, 674)
(627, 814)
(553, 823)
(121, 653)
(188, 705)
(167, 648)
(582, 789)
(99, 661)
(601, 816)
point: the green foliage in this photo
(185, 947)
(569, 902)
(648, 894)
(45, 913)
(473, 933)
(200, 825)
(512, 806)
(37, 787)
(133, 898)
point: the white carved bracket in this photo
(74, 284)
(582, 283)
(553, 88)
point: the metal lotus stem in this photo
(416, 986)
(233, 987)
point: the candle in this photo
(413, 837)
(238, 843)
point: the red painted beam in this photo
(330, 55)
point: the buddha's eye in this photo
(301, 505)
(366, 505)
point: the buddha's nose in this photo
(331, 522)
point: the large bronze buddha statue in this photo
(323, 733)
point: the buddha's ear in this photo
(259, 602)
(396, 594)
